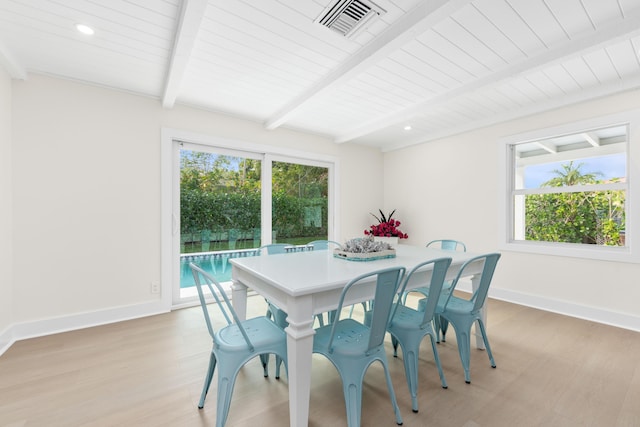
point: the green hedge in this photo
(201, 210)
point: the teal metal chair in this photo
(353, 346)
(234, 344)
(448, 245)
(463, 313)
(323, 245)
(441, 325)
(274, 248)
(408, 327)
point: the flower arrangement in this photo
(386, 227)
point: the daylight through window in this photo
(572, 188)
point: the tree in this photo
(588, 217)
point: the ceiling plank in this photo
(11, 64)
(614, 30)
(537, 108)
(188, 27)
(417, 21)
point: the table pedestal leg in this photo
(299, 353)
(239, 299)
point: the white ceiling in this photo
(440, 66)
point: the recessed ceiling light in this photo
(407, 127)
(85, 29)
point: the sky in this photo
(613, 166)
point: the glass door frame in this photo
(172, 139)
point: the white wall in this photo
(449, 189)
(87, 192)
(6, 209)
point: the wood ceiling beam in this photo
(614, 30)
(417, 21)
(190, 20)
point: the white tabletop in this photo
(302, 273)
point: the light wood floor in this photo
(552, 371)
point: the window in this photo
(567, 191)
(223, 198)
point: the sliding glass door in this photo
(299, 202)
(220, 203)
(232, 202)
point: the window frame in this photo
(506, 217)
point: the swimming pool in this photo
(217, 263)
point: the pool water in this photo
(215, 263)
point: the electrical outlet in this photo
(155, 287)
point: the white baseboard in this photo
(38, 328)
(51, 326)
(594, 314)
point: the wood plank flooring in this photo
(552, 370)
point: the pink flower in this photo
(386, 227)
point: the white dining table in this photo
(304, 284)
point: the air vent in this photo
(348, 17)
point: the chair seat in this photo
(446, 290)
(407, 318)
(261, 332)
(351, 338)
(457, 305)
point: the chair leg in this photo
(226, 381)
(486, 343)
(207, 379)
(353, 402)
(463, 337)
(278, 363)
(411, 372)
(441, 325)
(392, 393)
(436, 357)
(394, 343)
(264, 359)
(444, 325)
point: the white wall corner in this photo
(6, 339)
(11, 64)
